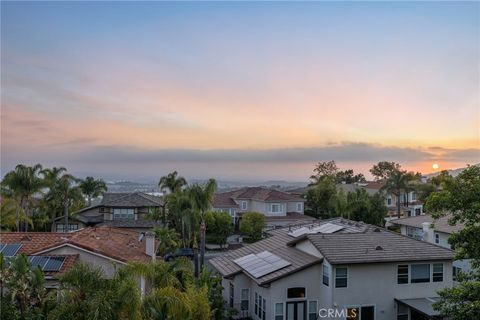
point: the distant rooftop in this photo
(440, 225)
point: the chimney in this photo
(150, 245)
(428, 234)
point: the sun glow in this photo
(435, 166)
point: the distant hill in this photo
(452, 172)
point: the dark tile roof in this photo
(276, 244)
(134, 199)
(375, 246)
(440, 225)
(357, 242)
(226, 199)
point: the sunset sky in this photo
(246, 91)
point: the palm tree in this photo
(202, 198)
(172, 182)
(21, 184)
(65, 194)
(396, 182)
(168, 239)
(85, 293)
(50, 176)
(11, 213)
(92, 188)
(180, 208)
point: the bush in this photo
(252, 225)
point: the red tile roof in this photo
(119, 244)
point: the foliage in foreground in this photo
(460, 197)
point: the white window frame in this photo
(299, 206)
(315, 314)
(433, 271)
(280, 207)
(335, 279)
(247, 299)
(326, 273)
(275, 314)
(408, 273)
(429, 272)
(244, 205)
(123, 213)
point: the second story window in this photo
(437, 275)
(389, 201)
(123, 213)
(293, 293)
(341, 275)
(244, 205)
(437, 238)
(231, 295)
(326, 275)
(402, 274)
(420, 273)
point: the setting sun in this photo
(435, 166)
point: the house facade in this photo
(352, 270)
(280, 208)
(119, 210)
(409, 203)
(436, 231)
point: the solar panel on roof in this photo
(298, 232)
(38, 261)
(327, 228)
(54, 264)
(261, 264)
(9, 250)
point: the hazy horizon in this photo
(239, 91)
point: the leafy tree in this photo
(384, 170)
(182, 215)
(168, 240)
(459, 197)
(348, 176)
(215, 288)
(319, 197)
(92, 188)
(339, 203)
(323, 170)
(219, 227)
(21, 184)
(252, 225)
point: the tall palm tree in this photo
(396, 182)
(21, 184)
(65, 194)
(51, 175)
(92, 188)
(202, 198)
(172, 182)
(180, 209)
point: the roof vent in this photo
(378, 248)
(26, 238)
(376, 230)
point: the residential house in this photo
(409, 203)
(54, 252)
(280, 208)
(119, 210)
(436, 231)
(351, 269)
